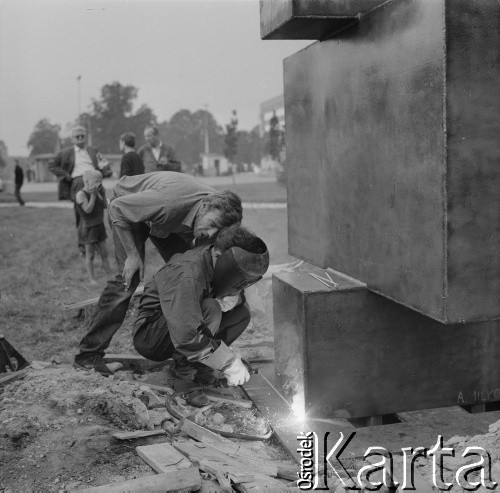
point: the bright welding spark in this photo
(299, 407)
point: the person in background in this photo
(131, 162)
(18, 181)
(91, 204)
(156, 155)
(69, 166)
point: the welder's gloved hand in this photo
(236, 373)
(227, 303)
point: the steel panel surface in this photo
(309, 19)
(392, 153)
(366, 355)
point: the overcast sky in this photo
(178, 53)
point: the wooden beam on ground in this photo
(228, 453)
(80, 305)
(12, 376)
(200, 433)
(200, 453)
(129, 435)
(179, 481)
(245, 403)
(228, 447)
(238, 476)
(162, 457)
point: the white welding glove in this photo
(228, 302)
(236, 373)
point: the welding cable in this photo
(226, 434)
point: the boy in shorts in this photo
(91, 203)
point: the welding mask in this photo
(236, 269)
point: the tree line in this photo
(113, 114)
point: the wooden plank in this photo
(198, 452)
(162, 457)
(230, 453)
(200, 433)
(263, 483)
(237, 402)
(129, 435)
(228, 447)
(80, 305)
(160, 388)
(223, 472)
(175, 482)
(238, 475)
(13, 376)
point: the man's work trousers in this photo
(115, 299)
(152, 339)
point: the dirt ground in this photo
(55, 424)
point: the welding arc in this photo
(226, 434)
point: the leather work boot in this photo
(92, 362)
(182, 369)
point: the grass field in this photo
(41, 271)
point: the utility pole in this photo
(207, 142)
(79, 85)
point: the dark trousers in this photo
(152, 340)
(115, 299)
(17, 193)
(76, 186)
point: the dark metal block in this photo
(393, 145)
(310, 19)
(353, 353)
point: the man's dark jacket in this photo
(63, 166)
(167, 160)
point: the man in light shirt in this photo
(69, 166)
(155, 155)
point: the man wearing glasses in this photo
(69, 166)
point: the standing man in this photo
(171, 209)
(70, 165)
(18, 180)
(156, 155)
(131, 164)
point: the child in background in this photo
(91, 203)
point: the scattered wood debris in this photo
(162, 457)
(130, 435)
(176, 481)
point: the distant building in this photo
(40, 168)
(214, 164)
(268, 109)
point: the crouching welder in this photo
(194, 307)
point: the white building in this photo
(214, 164)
